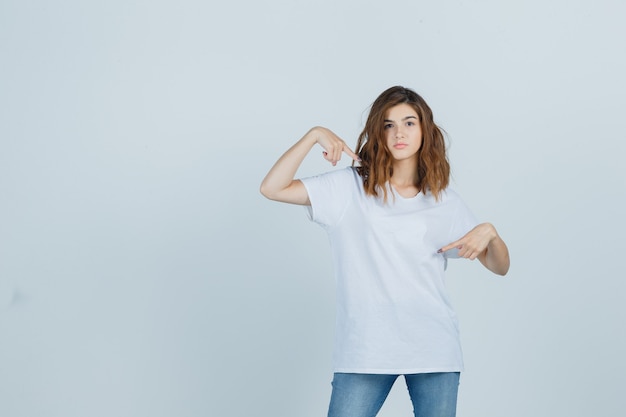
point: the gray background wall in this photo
(142, 274)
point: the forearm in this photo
(496, 255)
(281, 176)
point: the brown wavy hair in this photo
(376, 168)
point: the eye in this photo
(410, 123)
(388, 126)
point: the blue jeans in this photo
(362, 395)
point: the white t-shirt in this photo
(393, 312)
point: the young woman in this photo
(392, 223)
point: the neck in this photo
(404, 173)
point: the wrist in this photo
(491, 230)
(313, 135)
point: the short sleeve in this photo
(463, 222)
(329, 194)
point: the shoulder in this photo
(340, 181)
(349, 172)
(345, 175)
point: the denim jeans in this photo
(362, 395)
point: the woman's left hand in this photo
(474, 243)
(484, 243)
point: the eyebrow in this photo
(405, 118)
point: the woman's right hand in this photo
(333, 145)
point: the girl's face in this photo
(403, 132)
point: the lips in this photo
(400, 145)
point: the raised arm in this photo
(484, 243)
(279, 183)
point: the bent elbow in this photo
(269, 192)
(264, 191)
(504, 269)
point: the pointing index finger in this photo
(349, 152)
(449, 246)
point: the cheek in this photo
(420, 138)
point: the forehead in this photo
(400, 111)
